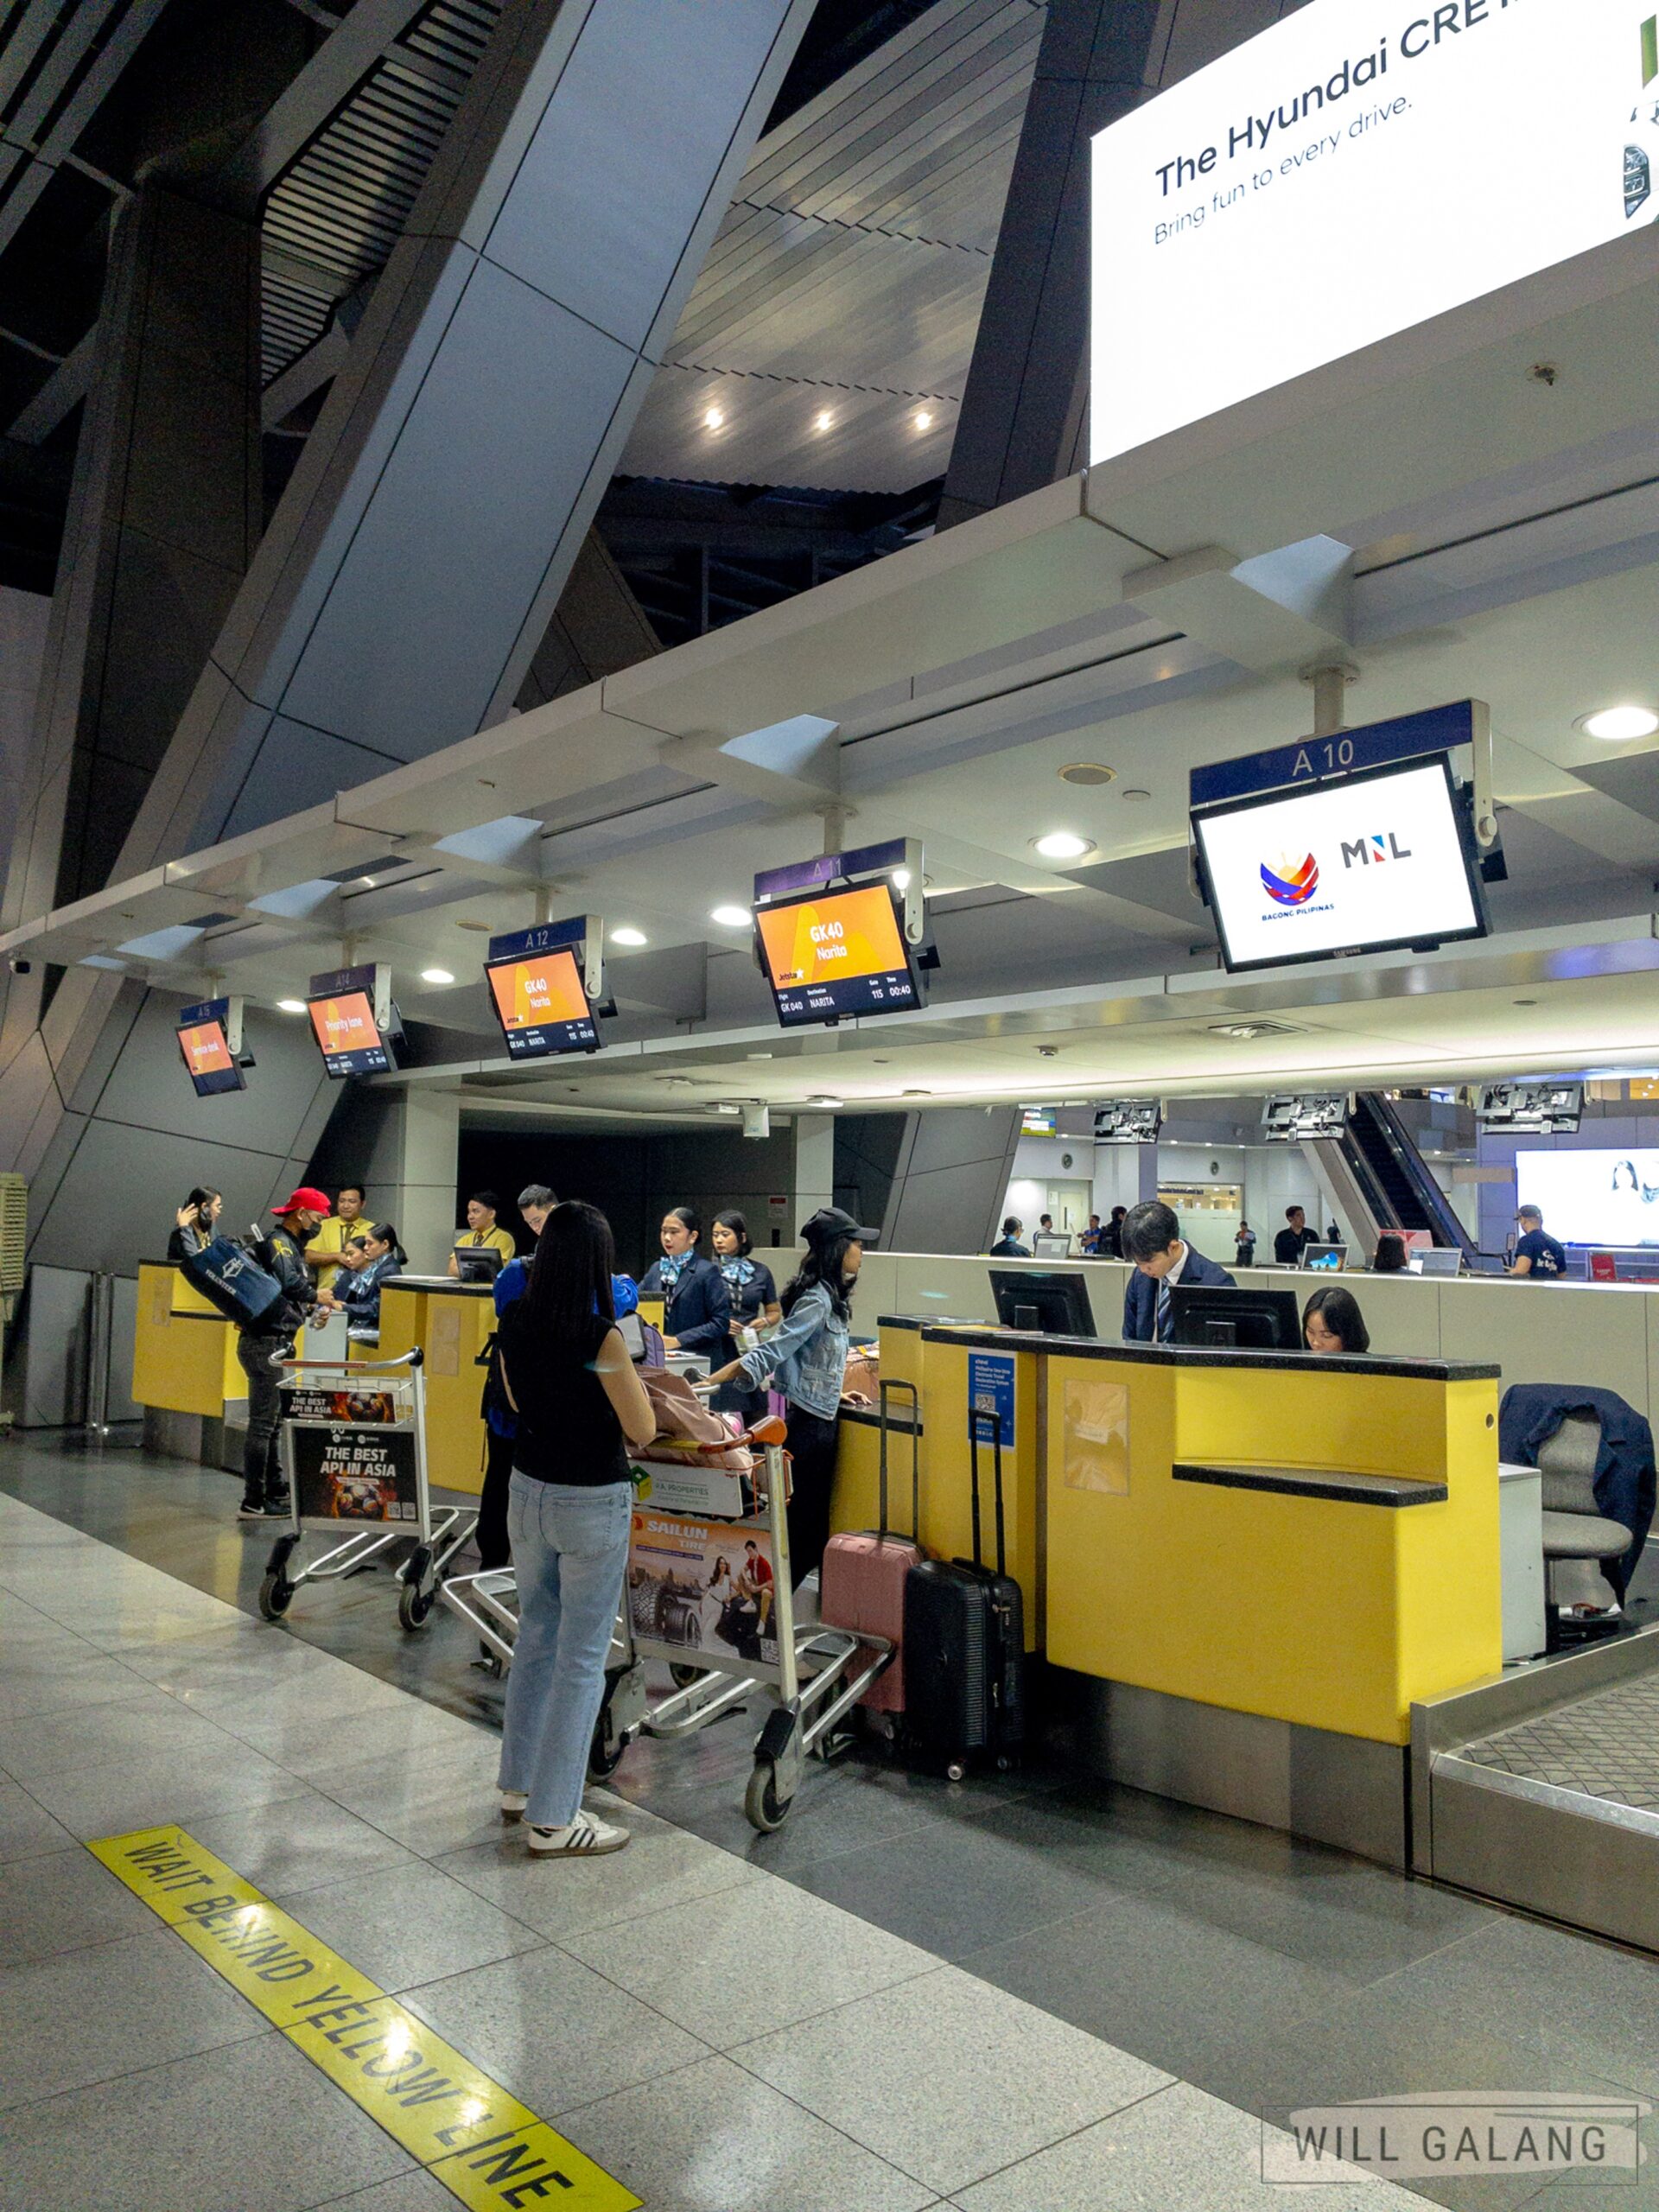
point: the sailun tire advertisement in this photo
(1361, 166)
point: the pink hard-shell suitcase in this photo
(862, 1580)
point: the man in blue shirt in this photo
(1537, 1253)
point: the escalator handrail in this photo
(1443, 1221)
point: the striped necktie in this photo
(1160, 1327)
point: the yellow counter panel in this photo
(451, 1322)
(184, 1351)
(1314, 1541)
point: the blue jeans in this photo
(569, 1554)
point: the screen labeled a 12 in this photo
(348, 1035)
(835, 953)
(542, 1006)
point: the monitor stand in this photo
(1221, 1332)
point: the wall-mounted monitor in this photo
(834, 953)
(210, 1042)
(1304, 1118)
(1364, 863)
(352, 1020)
(1530, 1109)
(1446, 151)
(1592, 1198)
(541, 1005)
(1128, 1120)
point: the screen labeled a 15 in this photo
(835, 953)
(207, 1055)
(1362, 863)
(542, 1006)
(347, 1032)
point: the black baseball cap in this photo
(830, 1221)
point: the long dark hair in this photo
(732, 1220)
(384, 1233)
(822, 1264)
(571, 1282)
(1339, 1311)
(202, 1196)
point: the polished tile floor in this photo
(1014, 1995)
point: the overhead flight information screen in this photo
(350, 1042)
(542, 1006)
(835, 953)
(207, 1055)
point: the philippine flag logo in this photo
(1288, 884)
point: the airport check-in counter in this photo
(452, 1323)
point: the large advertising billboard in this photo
(1592, 1197)
(1359, 168)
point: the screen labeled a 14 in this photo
(542, 1006)
(835, 953)
(347, 1032)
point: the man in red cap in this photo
(265, 1495)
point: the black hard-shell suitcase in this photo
(965, 1643)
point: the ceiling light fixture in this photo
(626, 935)
(290, 1006)
(714, 418)
(469, 924)
(1617, 725)
(923, 420)
(1132, 798)
(1063, 845)
(823, 420)
(1088, 772)
(901, 879)
(436, 975)
(731, 917)
(823, 1099)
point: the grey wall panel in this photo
(116, 1203)
(512, 361)
(953, 1168)
(296, 767)
(149, 1089)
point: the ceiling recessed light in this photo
(1063, 845)
(1088, 772)
(923, 419)
(1619, 724)
(627, 936)
(901, 880)
(436, 975)
(731, 917)
(714, 418)
(825, 1098)
(472, 926)
(757, 1056)
(290, 1006)
(1526, 1002)
(1132, 798)
(823, 420)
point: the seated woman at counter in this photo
(1331, 1322)
(1163, 1261)
(696, 1305)
(1389, 1258)
(372, 1259)
(753, 1294)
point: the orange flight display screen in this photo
(542, 1006)
(208, 1056)
(834, 953)
(345, 1029)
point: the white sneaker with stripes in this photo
(585, 1837)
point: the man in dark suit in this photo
(1162, 1259)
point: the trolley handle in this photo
(766, 1432)
(415, 1359)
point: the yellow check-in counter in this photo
(184, 1350)
(451, 1322)
(1240, 1569)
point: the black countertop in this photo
(981, 1338)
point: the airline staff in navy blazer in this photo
(1162, 1259)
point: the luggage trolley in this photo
(724, 1635)
(354, 1446)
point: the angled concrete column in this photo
(953, 1168)
(411, 570)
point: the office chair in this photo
(1578, 1536)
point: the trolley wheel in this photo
(275, 1593)
(957, 1770)
(603, 1758)
(682, 1676)
(764, 1809)
(414, 1604)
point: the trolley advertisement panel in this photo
(707, 1587)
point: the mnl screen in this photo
(208, 1056)
(346, 1031)
(1363, 863)
(834, 953)
(542, 1006)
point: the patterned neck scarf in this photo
(673, 1265)
(737, 1270)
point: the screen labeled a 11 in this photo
(835, 953)
(540, 1004)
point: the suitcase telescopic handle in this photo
(882, 1390)
(976, 1415)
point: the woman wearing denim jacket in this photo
(805, 1360)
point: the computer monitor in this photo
(1057, 1305)
(1331, 1259)
(1051, 1248)
(1440, 1260)
(481, 1263)
(1203, 1314)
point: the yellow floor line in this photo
(486, 2148)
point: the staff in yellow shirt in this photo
(481, 1229)
(322, 1254)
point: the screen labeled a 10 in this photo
(542, 1006)
(348, 1033)
(835, 953)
